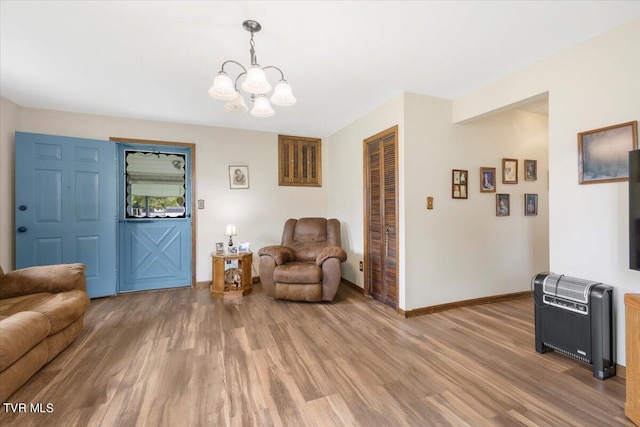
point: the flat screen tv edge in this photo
(634, 210)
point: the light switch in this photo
(200, 204)
(429, 202)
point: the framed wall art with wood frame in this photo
(603, 154)
(503, 204)
(509, 171)
(459, 184)
(530, 170)
(487, 180)
(530, 204)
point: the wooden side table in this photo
(221, 289)
(632, 338)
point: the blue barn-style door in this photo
(154, 212)
(66, 205)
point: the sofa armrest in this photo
(45, 278)
(280, 254)
(331, 252)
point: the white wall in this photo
(344, 178)
(456, 251)
(592, 85)
(9, 119)
(258, 212)
(460, 250)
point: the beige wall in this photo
(592, 85)
(258, 212)
(440, 248)
(9, 120)
(344, 179)
(460, 250)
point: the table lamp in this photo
(230, 231)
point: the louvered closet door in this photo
(381, 244)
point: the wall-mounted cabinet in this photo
(299, 161)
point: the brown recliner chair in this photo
(306, 266)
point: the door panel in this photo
(65, 206)
(381, 252)
(155, 252)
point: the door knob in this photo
(22, 208)
(22, 229)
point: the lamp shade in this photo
(256, 81)
(262, 107)
(282, 95)
(236, 105)
(222, 87)
(230, 230)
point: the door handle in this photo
(386, 242)
(22, 229)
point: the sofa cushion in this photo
(19, 334)
(298, 272)
(61, 309)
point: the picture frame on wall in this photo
(503, 204)
(238, 177)
(459, 184)
(530, 170)
(487, 180)
(509, 171)
(530, 204)
(603, 154)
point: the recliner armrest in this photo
(331, 252)
(280, 254)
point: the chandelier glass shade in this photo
(255, 84)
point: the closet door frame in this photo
(379, 138)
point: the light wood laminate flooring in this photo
(183, 358)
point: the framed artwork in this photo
(219, 248)
(503, 205)
(238, 177)
(243, 247)
(459, 184)
(487, 180)
(530, 204)
(509, 171)
(233, 250)
(530, 170)
(603, 154)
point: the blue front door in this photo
(154, 217)
(66, 205)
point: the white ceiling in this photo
(157, 59)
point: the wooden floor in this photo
(182, 358)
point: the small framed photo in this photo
(459, 184)
(509, 171)
(243, 247)
(603, 154)
(233, 250)
(219, 248)
(503, 205)
(487, 180)
(238, 177)
(530, 204)
(530, 170)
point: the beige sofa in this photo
(41, 313)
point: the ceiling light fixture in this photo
(255, 83)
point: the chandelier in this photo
(255, 83)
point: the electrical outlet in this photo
(361, 266)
